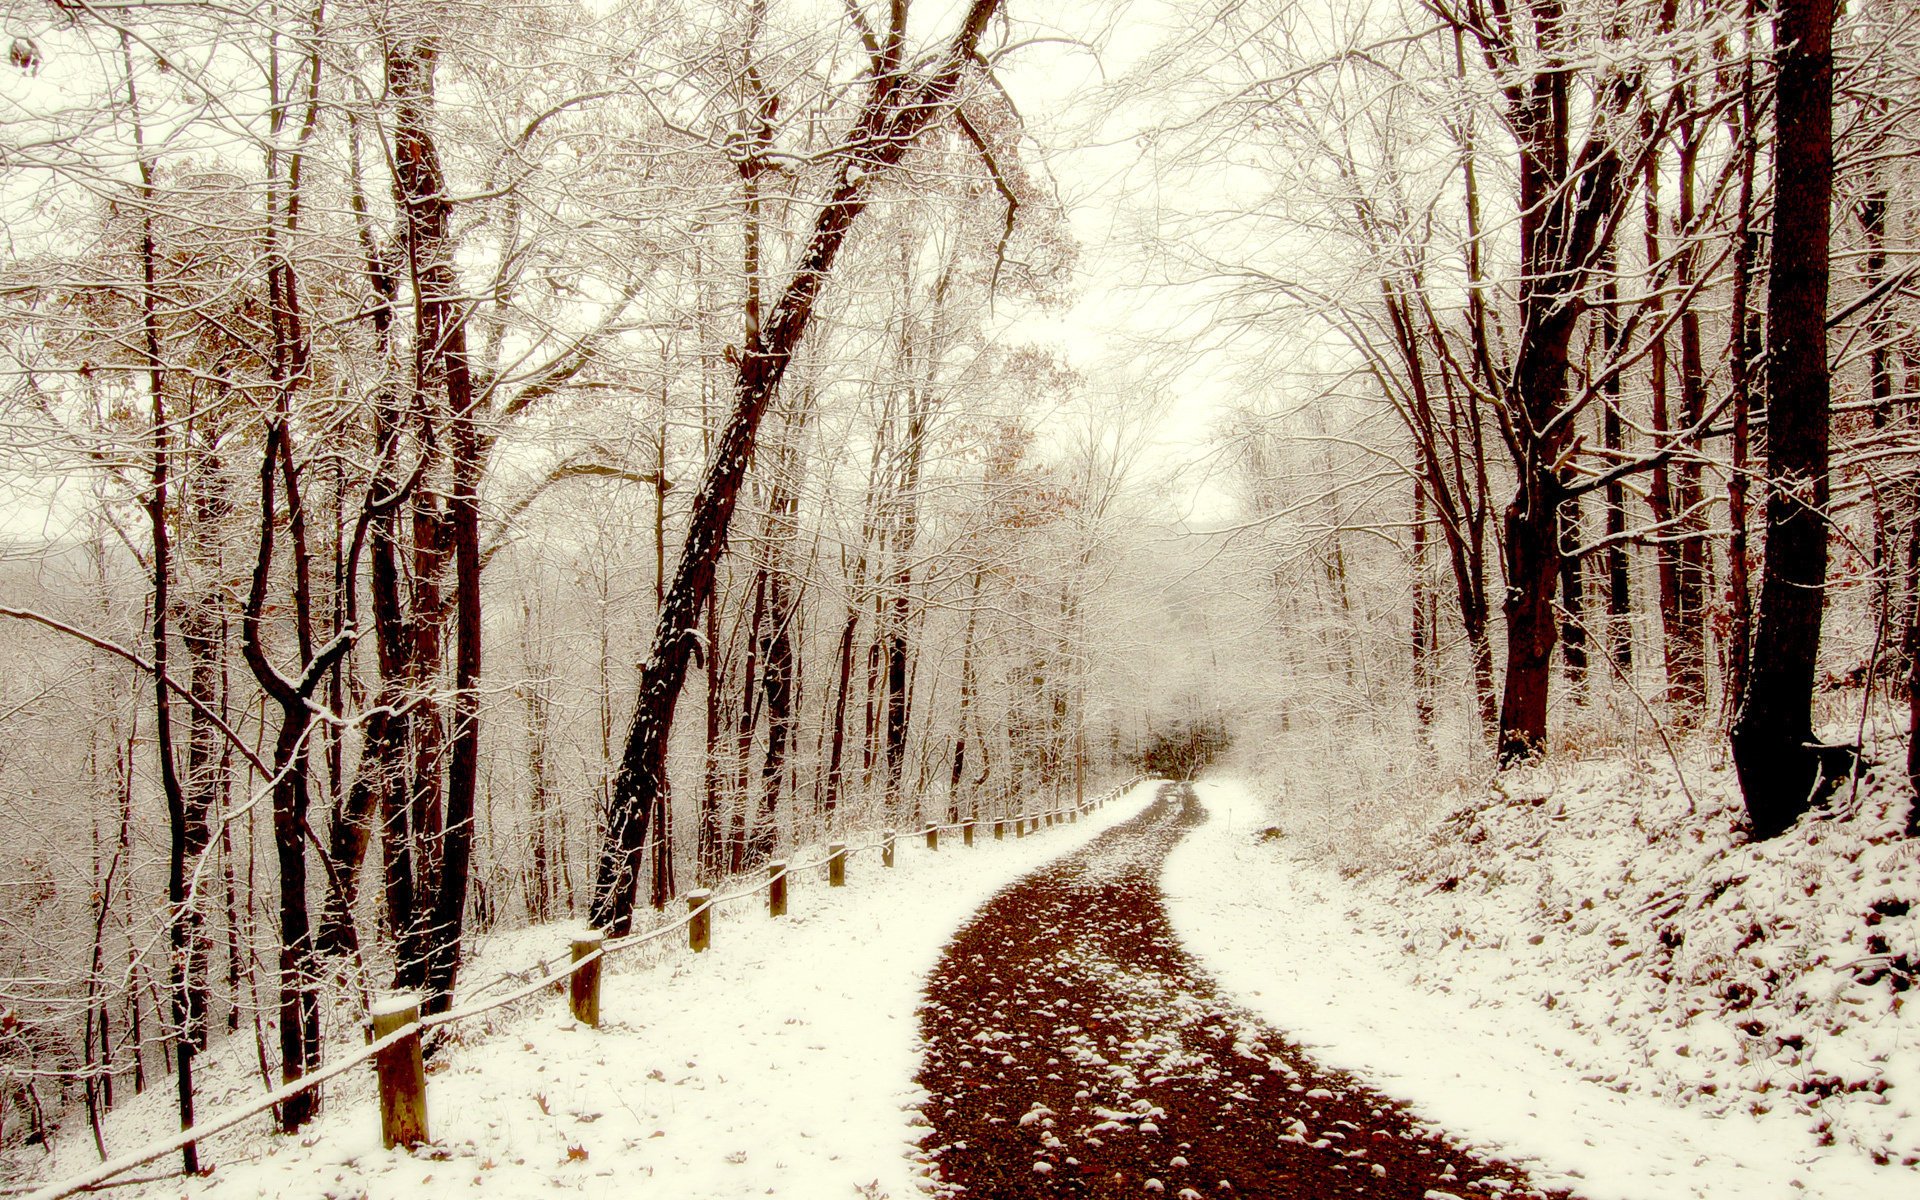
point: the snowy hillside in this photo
(1590, 968)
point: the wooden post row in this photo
(583, 986)
(402, 1072)
(700, 928)
(401, 1067)
(777, 888)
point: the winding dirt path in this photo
(1074, 1049)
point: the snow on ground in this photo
(780, 1062)
(1597, 976)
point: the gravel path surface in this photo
(1074, 1049)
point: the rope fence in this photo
(394, 1041)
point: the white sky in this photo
(1124, 333)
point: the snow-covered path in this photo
(780, 1062)
(1284, 939)
(1075, 1049)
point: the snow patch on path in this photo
(1289, 940)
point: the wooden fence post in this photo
(933, 837)
(402, 1072)
(1073, 815)
(700, 928)
(837, 864)
(966, 833)
(1019, 827)
(886, 849)
(777, 888)
(999, 831)
(583, 987)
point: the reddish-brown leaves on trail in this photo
(1074, 1049)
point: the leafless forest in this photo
(468, 466)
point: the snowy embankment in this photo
(779, 1062)
(1598, 977)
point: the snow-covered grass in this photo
(779, 1062)
(1589, 970)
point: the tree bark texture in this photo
(1773, 749)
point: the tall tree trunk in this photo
(899, 106)
(711, 851)
(740, 833)
(1564, 202)
(1773, 749)
(299, 1003)
(1423, 631)
(1619, 639)
(956, 783)
(1687, 684)
(381, 776)
(186, 835)
(441, 368)
(1743, 352)
(779, 676)
(1872, 210)
(897, 609)
(1660, 491)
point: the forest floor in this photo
(1073, 1048)
(1564, 974)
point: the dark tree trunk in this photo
(1773, 749)
(711, 850)
(956, 783)
(779, 672)
(1687, 682)
(1743, 352)
(1423, 630)
(899, 106)
(777, 680)
(1533, 570)
(1564, 202)
(539, 878)
(1879, 334)
(896, 604)
(1661, 497)
(299, 1004)
(299, 1001)
(441, 367)
(1910, 643)
(381, 777)
(837, 737)
(1619, 639)
(741, 831)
